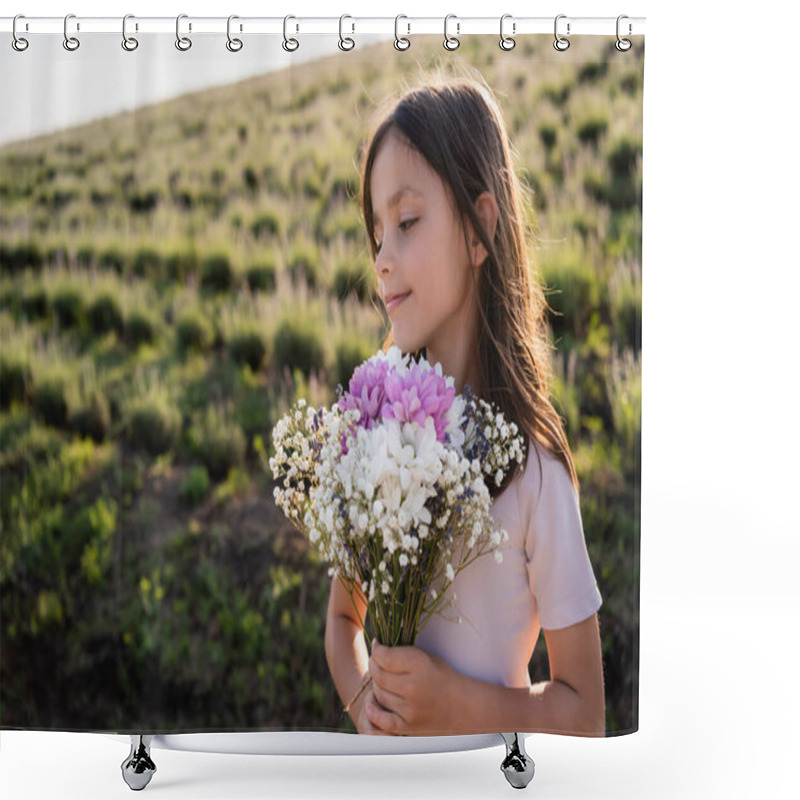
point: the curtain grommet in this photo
(401, 43)
(233, 44)
(183, 43)
(19, 43)
(289, 44)
(70, 43)
(623, 45)
(345, 43)
(129, 43)
(451, 42)
(561, 44)
(507, 42)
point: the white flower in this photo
(498, 556)
(403, 560)
(450, 572)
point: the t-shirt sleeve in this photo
(559, 571)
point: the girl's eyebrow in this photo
(397, 196)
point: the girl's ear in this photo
(486, 208)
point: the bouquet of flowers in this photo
(390, 484)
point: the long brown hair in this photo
(456, 125)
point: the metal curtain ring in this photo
(233, 44)
(70, 42)
(183, 43)
(350, 43)
(401, 44)
(129, 43)
(286, 41)
(451, 42)
(506, 42)
(560, 43)
(17, 42)
(623, 45)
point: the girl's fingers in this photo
(388, 681)
(385, 720)
(389, 700)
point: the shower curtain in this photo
(182, 264)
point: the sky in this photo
(36, 86)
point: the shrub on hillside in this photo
(105, 315)
(261, 277)
(147, 263)
(298, 344)
(139, 329)
(195, 487)
(35, 304)
(15, 382)
(247, 347)
(92, 420)
(153, 425)
(50, 403)
(219, 442)
(181, 263)
(268, 223)
(304, 265)
(591, 128)
(113, 258)
(217, 273)
(68, 306)
(193, 331)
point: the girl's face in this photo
(422, 258)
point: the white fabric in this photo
(544, 581)
(317, 743)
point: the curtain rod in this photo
(406, 25)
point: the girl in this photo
(444, 216)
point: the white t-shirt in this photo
(544, 581)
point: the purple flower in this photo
(417, 395)
(366, 393)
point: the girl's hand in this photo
(412, 692)
(359, 715)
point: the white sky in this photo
(38, 86)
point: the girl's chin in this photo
(406, 343)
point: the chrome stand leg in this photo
(517, 766)
(138, 768)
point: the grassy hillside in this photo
(171, 280)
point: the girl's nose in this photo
(382, 262)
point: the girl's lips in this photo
(395, 302)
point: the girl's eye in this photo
(404, 225)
